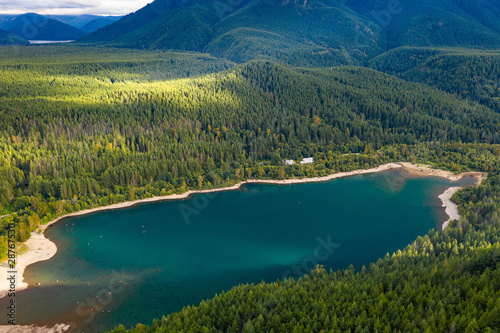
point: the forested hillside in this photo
(245, 30)
(457, 23)
(8, 38)
(104, 63)
(315, 33)
(470, 74)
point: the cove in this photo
(136, 264)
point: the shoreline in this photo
(58, 328)
(451, 208)
(41, 248)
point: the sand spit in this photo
(450, 206)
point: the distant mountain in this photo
(36, 27)
(8, 38)
(93, 22)
(304, 32)
(76, 21)
(98, 23)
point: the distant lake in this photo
(34, 42)
(136, 264)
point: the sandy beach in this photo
(426, 171)
(60, 328)
(450, 206)
(40, 248)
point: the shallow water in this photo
(135, 264)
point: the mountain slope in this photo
(8, 38)
(79, 21)
(471, 74)
(76, 21)
(486, 12)
(326, 27)
(5, 18)
(36, 27)
(305, 32)
(465, 23)
(196, 25)
(132, 21)
(98, 23)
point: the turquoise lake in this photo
(136, 264)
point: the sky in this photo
(71, 7)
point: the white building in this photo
(308, 160)
(289, 162)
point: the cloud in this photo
(72, 7)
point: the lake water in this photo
(38, 42)
(132, 265)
